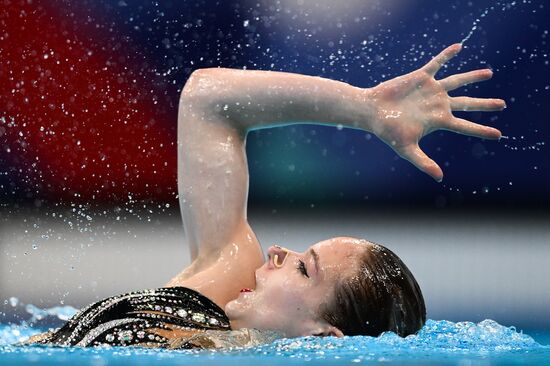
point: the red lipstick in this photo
(246, 290)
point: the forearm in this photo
(252, 99)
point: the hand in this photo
(413, 105)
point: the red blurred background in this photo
(79, 121)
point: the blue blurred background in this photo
(145, 51)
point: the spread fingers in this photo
(418, 158)
(466, 127)
(448, 53)
(477, 104)
(456, 81)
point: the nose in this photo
(277, 255)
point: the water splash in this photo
(436, 336)
(61, 312)
(474, 26)
(518, 143)
(498, 5)
(442, 341)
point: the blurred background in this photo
(88, 118)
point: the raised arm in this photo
(399, 111)
(219, 106)
(217, 109)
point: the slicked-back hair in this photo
(382, 295)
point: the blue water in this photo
(439, 342)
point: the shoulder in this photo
(220, 275)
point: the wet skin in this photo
(218, 106)
(287, 296)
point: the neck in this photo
(235, 324)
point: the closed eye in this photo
(302, 268)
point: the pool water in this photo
(439, 342)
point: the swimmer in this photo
(339, 286)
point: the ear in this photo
(327, 331)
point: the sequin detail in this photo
(135, 318)
(198, 317)
(181, 313)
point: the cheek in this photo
(292, 296)
(282, 288)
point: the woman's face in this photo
(291, 286)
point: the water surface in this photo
(439, 342)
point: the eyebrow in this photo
(315, 259)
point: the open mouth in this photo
(246, 289)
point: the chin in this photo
(234, 309)
(241, 311)
(230, 308)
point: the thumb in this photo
(416, 156)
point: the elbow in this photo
(203, 86)
(206, 90)
(196, 81)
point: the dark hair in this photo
(382, 296)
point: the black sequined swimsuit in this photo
(141, 318)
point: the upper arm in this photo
(212, 171)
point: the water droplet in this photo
(14, 301)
